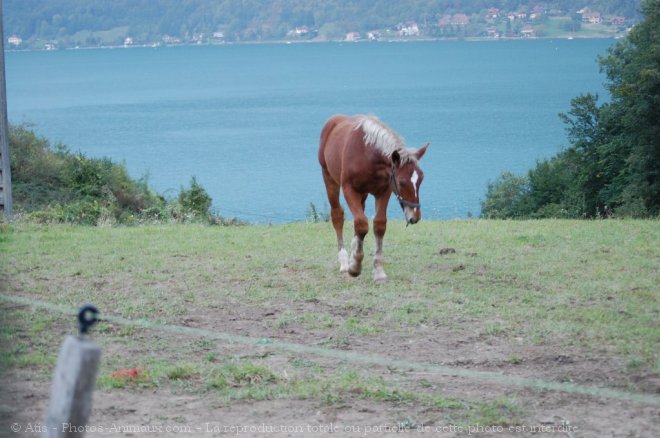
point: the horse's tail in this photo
(325, 133)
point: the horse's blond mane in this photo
(380, 136)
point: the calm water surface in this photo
(245, 119)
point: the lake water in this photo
(245, 119)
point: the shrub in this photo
(506, 197)
(195, 201)
(52, 185)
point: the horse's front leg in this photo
(337, 215)
(338, 224)
(361, 227)
(380, 226)
(379, 272)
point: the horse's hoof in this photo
(379, 275)
(353, 273)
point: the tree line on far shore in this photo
(91, 23)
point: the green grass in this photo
(590, 286)
(26, 339)
(106, 37)
(556, 27)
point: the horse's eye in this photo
(403, 182)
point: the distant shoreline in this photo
(313, 41)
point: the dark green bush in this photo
(53, 185)
(506, 197)
(195, 201)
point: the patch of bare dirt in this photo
(168, 411)
(162, 412)
(436, 345)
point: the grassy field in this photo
(556, 27)
(564, 301)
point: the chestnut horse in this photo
(360, 155)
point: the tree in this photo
(633, 117)
(586, 134)
(575, 24)
(613, 163)
(506, 197)
(196, 200)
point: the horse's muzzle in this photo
(413, 215)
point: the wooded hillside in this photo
(36, 24)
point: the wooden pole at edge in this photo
(6, 204)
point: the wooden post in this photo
(5, 170)
(73, 386)
(73, 382)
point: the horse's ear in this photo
(420, 153)
(396, 158)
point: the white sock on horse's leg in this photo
(343, 260)
(379, 272)
(357, 254)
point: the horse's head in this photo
(406, 178)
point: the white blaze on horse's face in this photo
(413, 179)
(410, 192)
(413, 215)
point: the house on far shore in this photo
(528, 32)
(592, 17)
(352, 36)
(492, 32)
(460, 20)
(408, 29)
(15, 40)
(170, 40)
(444, 21)
(374, 35)
(298, 32)
(589, 16)
(617, 21)
(513, 16)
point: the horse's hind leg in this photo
(337, 215)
